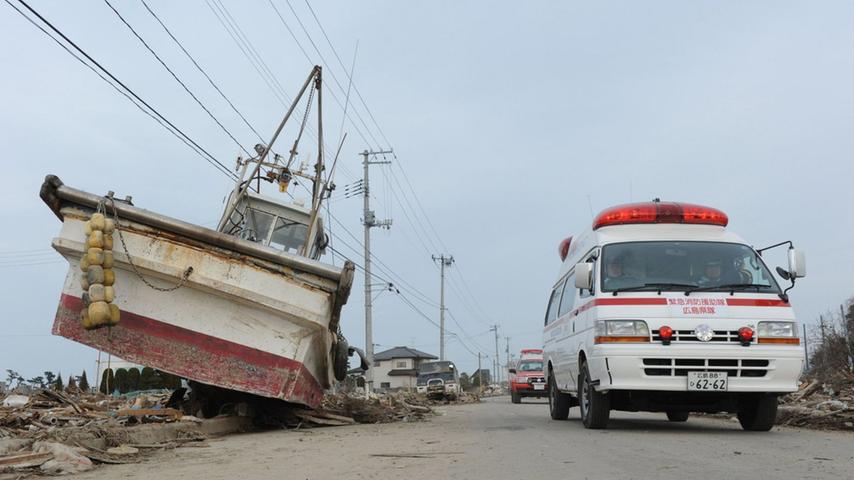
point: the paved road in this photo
(498, 440)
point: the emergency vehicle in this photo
(659, 308)
(526, 376)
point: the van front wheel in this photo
(595, 406)
(758, 413)
(559, 402)
(677, 416)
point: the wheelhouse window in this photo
(684, 266)
(258, 225)
(288, 235)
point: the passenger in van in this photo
(615, 276)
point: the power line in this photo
(323, 62)
(31, 264)
(331, 73)
(128, 92)
(250, 53)
(200, 69)
(469, 337)
(359, 94)
(175, 76)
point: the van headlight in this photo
(621, 331)
(777, 332)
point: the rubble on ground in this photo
(38, 432)
(384, 408)
(826, 405)
(52, 432)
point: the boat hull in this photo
(250, 320)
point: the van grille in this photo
(682, 336)
(679, 367)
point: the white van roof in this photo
(639, 231)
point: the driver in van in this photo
(615, 275)
(711, 273)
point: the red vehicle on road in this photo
(527, 378)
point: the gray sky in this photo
(505, 117)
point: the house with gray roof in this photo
(397, 368)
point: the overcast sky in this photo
(511, 121)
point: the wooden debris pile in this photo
(386, 408)
(825, 405)
(46, 411)
(349, 408)
(38, 432)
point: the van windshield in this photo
(682, 266)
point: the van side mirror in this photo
(584, 275)
(797, 263)
(513, 371)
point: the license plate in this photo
(707, 381)
(539, 386)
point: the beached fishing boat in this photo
(247, 307)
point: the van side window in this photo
(589, 293)
(551, 313)
(568, 297)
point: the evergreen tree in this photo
(133, 379)
(108, 382)
(58, 385)
(72, 385)
(122, 383)
(37, 382)
(49, 379)
(148, 379)
(84, 383)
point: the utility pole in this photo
(479, 374)
(369, 220)
(847, 333)
(497, 361)
(823, 341)
(806, 349)
(507, 352)
(443, 262)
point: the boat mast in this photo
(243, 186)
(318, 189)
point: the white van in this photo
(659, 308)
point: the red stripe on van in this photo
(755, 302)
(631, 301)
(619, 301)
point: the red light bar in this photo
(563, 248)
(660, 212)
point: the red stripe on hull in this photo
(193, 355)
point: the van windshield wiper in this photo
(728, 286)
(655, 285)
